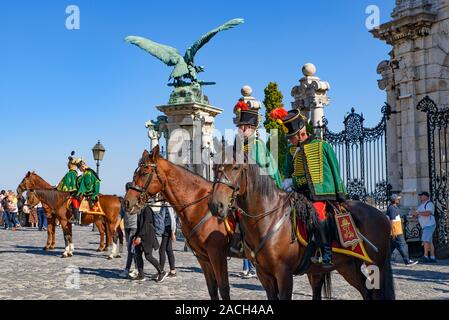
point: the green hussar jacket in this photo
(89, 185)
(259, 153)
(68, 183)
(317, 174)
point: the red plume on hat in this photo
(241, 106)
(278, 114)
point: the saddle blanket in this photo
(86, 209)
(350, 244)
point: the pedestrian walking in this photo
(168, 237)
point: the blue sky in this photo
(63, 90)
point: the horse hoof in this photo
(118, 256)
(99, 250)
(110, 257)
(70, 254)
(46, 248)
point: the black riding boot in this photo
(75, 215)
(324, 253)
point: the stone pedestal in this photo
(311, 97)
(190, 127)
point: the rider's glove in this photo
(287, 185)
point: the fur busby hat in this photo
(72, 160)
(245, 114)
(292, 121)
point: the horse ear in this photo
(28, 174)
(155, 153)
(145, 154)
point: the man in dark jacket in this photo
(145, 241)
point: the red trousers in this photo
(320, 207)
(75, 203)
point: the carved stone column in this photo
(311, 97)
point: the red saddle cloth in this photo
(350, 244)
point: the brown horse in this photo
(267, 232)
(105, 224)
(187, 193)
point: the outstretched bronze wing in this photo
(190, 53)
(168, 55)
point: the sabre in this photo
(367, 241)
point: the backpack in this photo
(159, 224)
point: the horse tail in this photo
(328, 286)
(387, 289)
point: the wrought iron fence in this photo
(362, 156)
(438, 153)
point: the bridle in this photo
(144, 195)
(231, 207)
(224, 179)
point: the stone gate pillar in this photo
(190, 127)
(311, 97)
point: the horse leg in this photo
(269, 283)
(386, 283)
(53, 235)
(71, 245)
(67, 238)
(316, 282)
(50, 228)
(211, 282)
(220, 267)
(100, 228)
(110, 236)
(284, 278)
(351, 271)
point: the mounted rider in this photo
(311, 168)
(247, 121)
(253, 149)
(88, 184)
(69, 184)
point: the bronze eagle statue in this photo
(184, 67)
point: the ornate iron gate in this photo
(363, 158)
(438, 143)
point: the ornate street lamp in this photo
(98, 151)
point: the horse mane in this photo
(196, 175)
(261, 182)
(38, 177)
(53, 197)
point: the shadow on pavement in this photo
(190, 269)
(104, 273)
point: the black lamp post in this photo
(98, 151)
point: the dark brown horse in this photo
(105, 224)
(187, 193)
(264, 218)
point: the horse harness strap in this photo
(195, 230)
(275, 229)
(198, 226)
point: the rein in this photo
(144, 196)
(235, 189)
(231, 206)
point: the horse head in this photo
(228, 185)
(146, 182)
(28, 182)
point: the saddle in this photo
(86, 207)
(343, 232)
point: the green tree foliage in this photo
(273, 100)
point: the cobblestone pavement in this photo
(28, 272)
